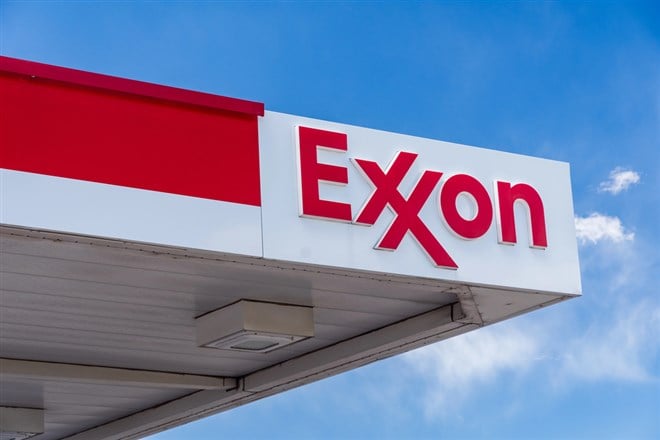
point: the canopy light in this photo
(257, 327)
(20, 423)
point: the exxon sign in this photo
(453, 212)
(406, 208)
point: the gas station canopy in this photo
(169, 254)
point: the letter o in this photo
(472, 228)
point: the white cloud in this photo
(597, 227)
(455, 367)
(619, 346)
(616, 349)
(620, 179)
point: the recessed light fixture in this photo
(255, 326)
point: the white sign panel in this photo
(351, 197)
(70, 205)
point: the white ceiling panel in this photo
(87, 301)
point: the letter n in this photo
(507, 196)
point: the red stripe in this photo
(108, 83)
(61, 129)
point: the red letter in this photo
(312, 172)
(507, 196)
(407, 219)
(462, 183)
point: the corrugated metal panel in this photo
(82, 300)
(72, 407)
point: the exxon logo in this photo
(406, 207)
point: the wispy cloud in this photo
(620, 180)
(615, 349)
(598, 227)
(453, 368)
(620, 346)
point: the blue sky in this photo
(577, 82)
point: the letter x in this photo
(407, 211)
